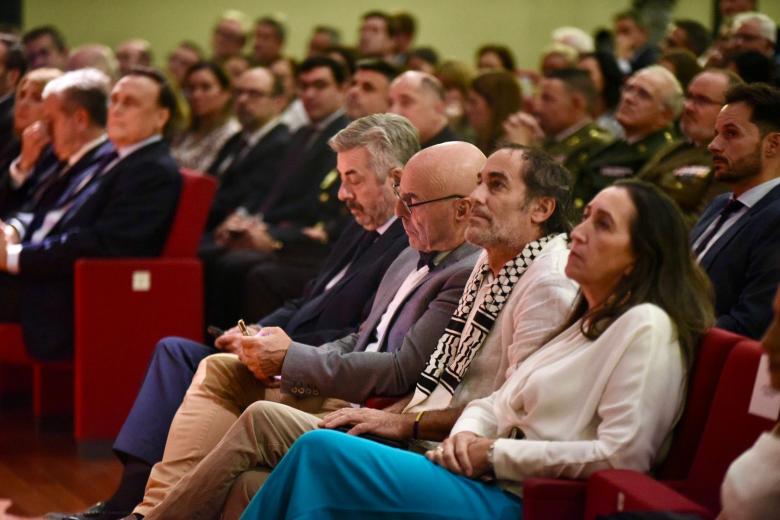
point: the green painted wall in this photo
(455, 27)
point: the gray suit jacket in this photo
(342, 369)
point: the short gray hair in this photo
(766, 26)
(87, 88)
(674, 99)
(390, 140)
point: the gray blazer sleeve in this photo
(334, 370)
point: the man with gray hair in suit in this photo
(515, 297)
(386, 357)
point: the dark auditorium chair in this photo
(122, 307)
(554, 499)
(730, 430)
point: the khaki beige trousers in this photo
(221, 390)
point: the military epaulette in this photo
(327, 183)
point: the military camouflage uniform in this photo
(684, 172)
(618, 160)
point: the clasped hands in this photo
(263, 352)
(245, 232)
(464, 453)
(523, 128)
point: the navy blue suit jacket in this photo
(744, 264)
(253, 174)
(320, 316)
(293, 202)
(124, 211)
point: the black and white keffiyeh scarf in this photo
(462, 338)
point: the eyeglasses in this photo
(250, 93)
(408, 206)
(702, 101)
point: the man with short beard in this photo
(412, 305)
(683, 169)
(737, 239)
(519, 295)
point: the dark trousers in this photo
(168, 377)
(9, 298)
(251, 284)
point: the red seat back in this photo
(197, 192)
(713, 351)
(730, 428)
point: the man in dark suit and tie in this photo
(245, 166)
(297, 218)
(737, 239)
(332, 306)
(123, 207)
(420, 291)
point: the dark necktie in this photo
(366, 241)
(426, 259)
(45, 194)
(77, 183)
(239, 147)
(728, 210)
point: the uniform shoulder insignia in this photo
(616, 172)
(329, 179)
(694, 171)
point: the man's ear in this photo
(462, 208)
(542, 209)
(394, 176)
(772, 145)
(163, 115)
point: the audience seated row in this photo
(520, 353)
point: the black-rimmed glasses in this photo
(409, 205)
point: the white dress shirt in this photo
(748, 199)
(585, 405)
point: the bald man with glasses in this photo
(418, 293)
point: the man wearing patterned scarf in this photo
(516, 296)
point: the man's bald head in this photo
(433, 187)
(419, 97)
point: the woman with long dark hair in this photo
(492, 98)
(209, 95)
(604, 392)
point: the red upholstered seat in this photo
(121, 308)
(565, 499)
(729, 430)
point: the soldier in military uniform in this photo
(650, 102)
(561, 123)
(684, 169)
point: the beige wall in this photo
(455, 27)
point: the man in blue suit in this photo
(737, 239)
(332, 306)
(122, 204)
